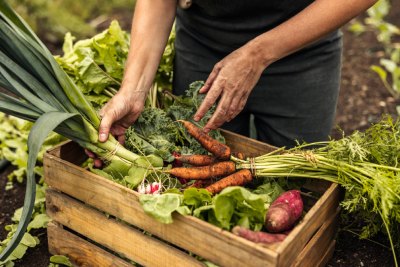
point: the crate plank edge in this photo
(63, 174)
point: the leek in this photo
(38, 90)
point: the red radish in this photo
(284, 212)
(258, 237)
(176, 162)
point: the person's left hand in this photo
(231, 80)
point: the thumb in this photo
(104, 128)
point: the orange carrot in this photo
(196, 160)
(219, 150)
(215, 170)
(238, 178)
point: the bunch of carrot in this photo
(205, 169)
(283, 213)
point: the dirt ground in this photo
(363, 99)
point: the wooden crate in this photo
(97, 222)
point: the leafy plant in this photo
(233, 206)
(43, 93)
(52, 19)
(389, 68)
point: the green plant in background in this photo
(13, 137)
(52, 19)
(389, 68)
(97, 64)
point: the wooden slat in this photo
(79, 251)
(190, 233)
(119, 237)
(319, 243)
(302, 233)
(251, 147)
(328, 255)
(187, 232)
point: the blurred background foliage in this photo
(51, 19)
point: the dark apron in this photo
(295, 98)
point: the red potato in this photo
(284, 212)
(258, 237)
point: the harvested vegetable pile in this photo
(365, 164)
(162, 144)
(40, 91)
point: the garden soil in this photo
(363, 99)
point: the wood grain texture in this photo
(327, 255)
(323, 209)
(79, 251)
(319, 243)
(126, 241)
(189, 233)
(195, 235)
(250, 147)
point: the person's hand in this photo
(231, 80)
(117, 115)
(120, 113)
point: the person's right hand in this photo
(120, 113)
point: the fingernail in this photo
(196, 118)
(103, 137)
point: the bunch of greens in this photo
(157, 132)
(40, 91)
(365, 164)
(97, 64)
(233, 206)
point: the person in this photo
(278, 60)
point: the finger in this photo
(105, 125)
(210, 80)
(121, 139)
(236, 107)
(208, 101)
(97, 163)
(220, 115)
(117, 129)
(90, 154)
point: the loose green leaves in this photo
(233, 206)
(40, 130)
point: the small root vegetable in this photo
(238, 178)
(196, 160)
(284, 212)
(258, 237)
(201, 183)
(218, 149)
(215, 170)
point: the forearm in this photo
(311, 24)
(152, 23)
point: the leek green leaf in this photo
(40, 130)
